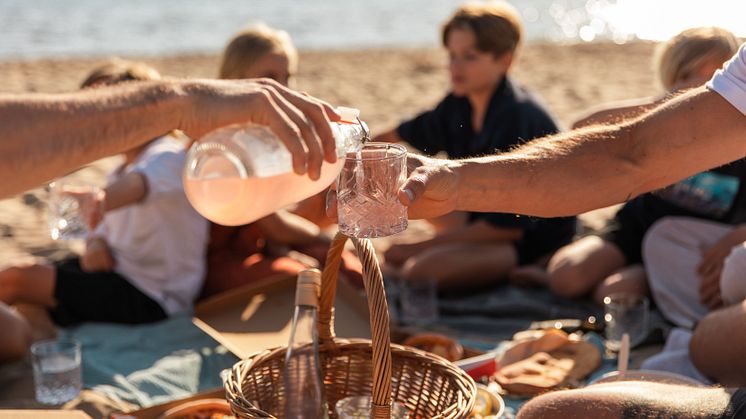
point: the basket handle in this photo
(379, 316)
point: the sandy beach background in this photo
(387, 85)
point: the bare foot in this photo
(528, 276)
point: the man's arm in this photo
(586, 169)
(44, 136)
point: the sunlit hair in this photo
(496, 25)
(682, 55)
(118, 71)
(251, 44)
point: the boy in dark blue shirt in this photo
(486, 112)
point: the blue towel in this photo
(150, 364)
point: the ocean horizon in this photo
(89, 28)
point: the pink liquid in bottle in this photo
(237, 201)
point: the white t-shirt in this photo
(730, 82)
(159, 244)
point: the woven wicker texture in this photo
(428, 385)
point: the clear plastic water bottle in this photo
(304, 388)
(240, 173)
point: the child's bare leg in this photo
(578, 268)
(461, 265)
(16, 334)
(33, 284)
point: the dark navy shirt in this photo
(514, 116)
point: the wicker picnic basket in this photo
(428, 385)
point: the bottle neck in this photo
(349, 137)
(304, 325)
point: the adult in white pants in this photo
(693, 267)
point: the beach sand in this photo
(387, 85)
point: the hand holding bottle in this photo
(300, 121)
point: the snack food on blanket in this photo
(437, 344)
(200, 409)
(544, 361)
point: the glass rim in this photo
(626, 299)
(402, 151)
(48, 346)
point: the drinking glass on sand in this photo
(367, 191)
(71, 209)
(57, 374)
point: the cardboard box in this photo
(258, 316)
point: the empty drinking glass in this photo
(367, 192)
(57, 376)
(625, 313)
(70, 206)
(419, 302)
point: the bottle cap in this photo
(349, 114)
(308, 287)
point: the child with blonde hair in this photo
(260, 52)
(285, 242)
(611, 261)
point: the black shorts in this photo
(628, 228)
(99, 297)
(545, 240)
(626, 234)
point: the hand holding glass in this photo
(74, 209)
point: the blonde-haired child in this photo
(612, 261)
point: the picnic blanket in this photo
(150, 364)
(487, 319)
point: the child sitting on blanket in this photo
(146, 259)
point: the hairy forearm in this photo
(586, 169)
(44, 136)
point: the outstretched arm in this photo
(581, 170)
(43, 136)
